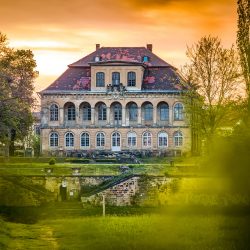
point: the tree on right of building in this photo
(213, 72)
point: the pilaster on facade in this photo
(155, 116)
(139, 116)
(123, 116)
(108, 116)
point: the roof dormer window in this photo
(97, 58)
(145, 59)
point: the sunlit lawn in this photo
(199, 214)
(169, 231)
(155, 166)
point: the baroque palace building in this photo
(116, 99)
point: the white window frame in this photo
(70, 140)
(159, 136)
(117, 137)
(102, 140)
(86, 133)
(179, 136)
(55, 133)
(147, 136)
(54, 112)
(178, 113)
(129, 144)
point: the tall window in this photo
(84, 140)
(147, 139)
(69, 139)
(178, 139)
(100, 79)
(53, 139)
(102, 112)
(148, 112)
(86, 116)
(133, 110)
(54, 112)
(71, 112)
(164, 112)
(117, 113)
(100, 140)
(131, 79)
(131, 139)
(162, 139)
(116, 139)
(178, 112)
(115, 78)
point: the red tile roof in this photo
(130, 54)
(158, 74)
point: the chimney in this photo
(150, 47)
(97, 46)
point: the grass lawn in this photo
(180, 168)
(172, 230)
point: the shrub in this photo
(112, 160)
(76, 160)
(52, 161)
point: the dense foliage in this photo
(17, 74)
(243, 42)
(213, 74)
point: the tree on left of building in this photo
(17, 75)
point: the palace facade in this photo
(116, 99)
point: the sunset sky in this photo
(60, 32)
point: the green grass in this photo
(95, 169)
(172, 230)
(200, 214)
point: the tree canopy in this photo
(213, 73)
(243, 42)
(17, 74)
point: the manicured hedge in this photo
(113, 160)
(76, 160)
(29, 160)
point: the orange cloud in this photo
(61, 31)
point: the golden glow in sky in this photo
(60, 32)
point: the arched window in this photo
(131, 139)
(85, 140)
(178, 139)
(69, 139)
(131, 79)
(148, 112)
(54, 112)
(133, 110)
(86, 115)
(115, 78)
(116, 139)
(100, 140)
(164, 111)
(178, 112)
(102, 112)
(100, 79)
(71, 112)
(147, 139)
(163, 139)
(53, 139)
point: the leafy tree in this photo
(243, 42)
(16, 92)
(213, 74)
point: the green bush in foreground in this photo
(52, 161)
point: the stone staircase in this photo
(108, 184)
